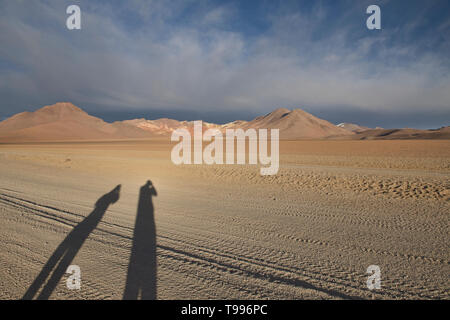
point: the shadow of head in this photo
(148, 184)
(109, 198)
(148, 189)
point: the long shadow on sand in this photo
(68, 249)
(141, 276)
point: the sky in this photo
(225, 60)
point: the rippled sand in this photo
(309, 232)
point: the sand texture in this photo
(226, 232)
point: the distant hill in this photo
(296, 124)
(165, 126)
(401, 134)
(63, 122)
(352, 127)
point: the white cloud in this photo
(193, 66)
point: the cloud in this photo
(201, 56)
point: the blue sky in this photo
(227, 60)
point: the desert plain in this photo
(226, 232)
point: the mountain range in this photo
(64, 121)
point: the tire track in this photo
(223, 255)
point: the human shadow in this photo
(68, 249)
(141, 276)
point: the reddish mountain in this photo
(296, 124)
(63, 121)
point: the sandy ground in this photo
(225, 232)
